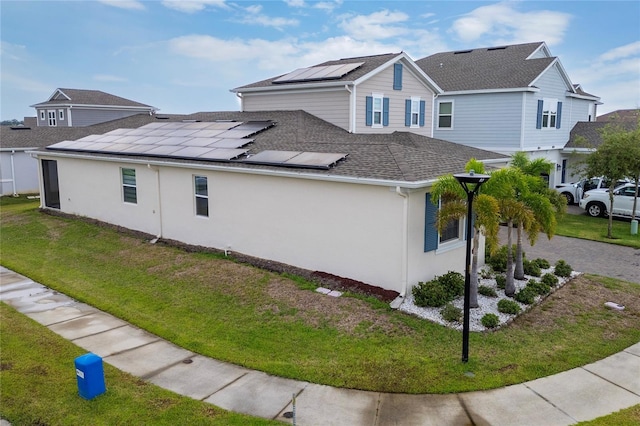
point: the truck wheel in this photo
(596, 209)
(569, 198)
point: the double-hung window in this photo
(201, 191)
(129, 188)
(445, 115)
(549, 114)
(377, 110)
(52, 118)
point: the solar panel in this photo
(199, 141)
(191, 151)
(270, 157)
(314, 160)
(231, 143)
(222, 154)
(208, 133)
(320, 159)
(322, 72)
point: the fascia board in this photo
(296, 90)
(578, 96)
(252, 171)
(89, 106)
(277, 88)
(577, 150)
(486, 91)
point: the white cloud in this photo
(328, 6)
(124, 4)
(621, 52)
(295, 3)
(501, 23)
(253, 17)
(376, 26)
(109, 78)
(193, 6)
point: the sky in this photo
(185, 56)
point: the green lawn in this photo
(595, 228)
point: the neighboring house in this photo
(585, 138)
(279, 185)
(78, 108)
(19, 170)
(508, 99)
(623, 115)
(369, 94)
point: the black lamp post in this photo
(471, 183)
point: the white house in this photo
(280, 185)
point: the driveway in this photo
(588, 256)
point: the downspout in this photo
(239, 96)
(405, 247)
(157, 170)
(352, 108)
(523, 119)
(13, 174)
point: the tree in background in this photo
(452, 199)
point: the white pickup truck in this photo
(574, 191)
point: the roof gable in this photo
(358, 69)
(493, 68)
(79, 97)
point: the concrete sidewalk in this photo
(576, 395)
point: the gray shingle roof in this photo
(370, 64)
(620, 115)
(503, 67)
(91, 97)
(399, 156)
(586, 134)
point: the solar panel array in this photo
(219, 140)
(324, 72)
(209, 141)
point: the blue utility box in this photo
(90, 375)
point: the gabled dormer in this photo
(79, 108)
(367, 94)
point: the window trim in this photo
(61, 114)
(415, 102)
(448, 115)
(375, 96)
(52, 119)
(43, 116)
(197, 196)
(128, 185)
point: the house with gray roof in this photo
(283, 186)
(369, 94)
(508, 99)
(78, 108)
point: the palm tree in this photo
(452, 198)
(544, 203)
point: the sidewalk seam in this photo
(550, 403)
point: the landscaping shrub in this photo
(487, 291)
(507, 306)
(550, 279)
(430, 293)
(527, 296)
(451, 313)
(498, 261)
(501, 281)
(542, 263)
(490, 320)
(540, 288)
(453, 283)
(531, 268)
(562, 269)
(486, 274)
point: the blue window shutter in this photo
(397, 76)
(559, 115)
(423, 106)
(369, 111)
(539, 119)
(407, 112)
(430, 231)
(385, 111)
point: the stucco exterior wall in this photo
(351, 230)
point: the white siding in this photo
(331, 106)
(383, 83)
(488, 121)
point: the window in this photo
(451, 232)
(52, 118)
(61, 114)
(549, 114)
(42, 116)
(202, 195)
(445, 115)
(129, 190)
(377, 110)
(414, 110)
